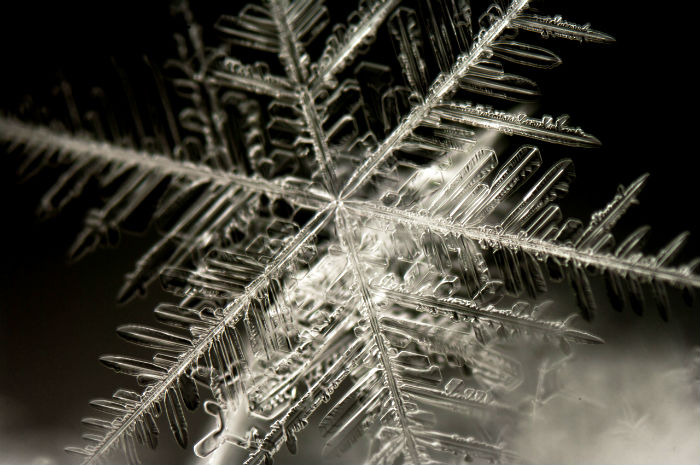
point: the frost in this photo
(348, 249)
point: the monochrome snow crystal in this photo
(351, 251)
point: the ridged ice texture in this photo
(348, 247)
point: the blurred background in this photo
(636, 95)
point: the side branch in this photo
(333, 63)
(249, 82)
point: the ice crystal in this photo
(350, 250)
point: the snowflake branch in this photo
(372, 315)
(231, 314)
(289, 55)
(440, 88)
(623, 266)
(78, 147)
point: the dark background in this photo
(638, 96)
